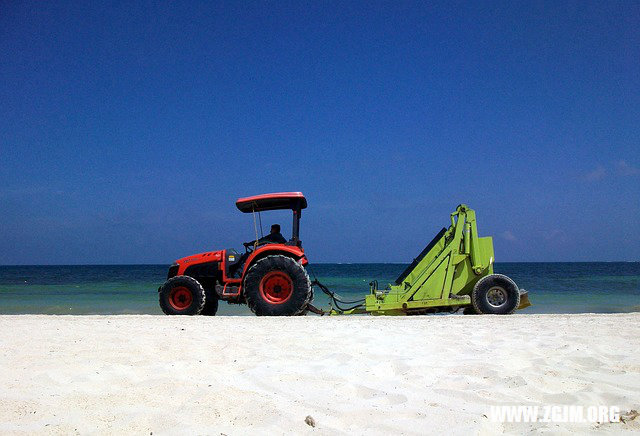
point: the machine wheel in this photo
(277, 286)
(182, 295)
(495, 294)
(211, 302)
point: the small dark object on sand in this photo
(629, 416)
(310, 421)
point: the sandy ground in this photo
(374, 375)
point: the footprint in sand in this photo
(371, 394)
(339, 357)
(514, 382)
(560, 399)
(587, 362)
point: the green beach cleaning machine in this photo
(453, 272)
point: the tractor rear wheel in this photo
(182, 295)
(277, 285)
(495, 294)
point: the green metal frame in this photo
(443, 279)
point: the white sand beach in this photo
(352, 375)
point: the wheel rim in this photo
(180, 298)
(276, 287)
(497, 296)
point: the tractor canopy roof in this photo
(277, 200)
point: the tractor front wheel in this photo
(277, 286)
(182, 295)
(495, 294)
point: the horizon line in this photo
(316, 263)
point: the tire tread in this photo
(476, 289)
(279, 261)
(194, 282)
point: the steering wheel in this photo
(248, 247)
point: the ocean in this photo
(132, 289)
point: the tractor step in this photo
(227, 291)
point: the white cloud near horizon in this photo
(509, 236)
(620, 167)
(598, 174)
(624, 169)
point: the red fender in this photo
(295, 251)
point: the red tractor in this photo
(269, 277)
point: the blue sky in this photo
(128, 129)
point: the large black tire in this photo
(182, 295)
(277, 286)
(495, 294)
(211, 302)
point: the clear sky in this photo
(128, 129)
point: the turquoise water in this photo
(131, 289)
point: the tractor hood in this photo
(275, 201)
(210, 256)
